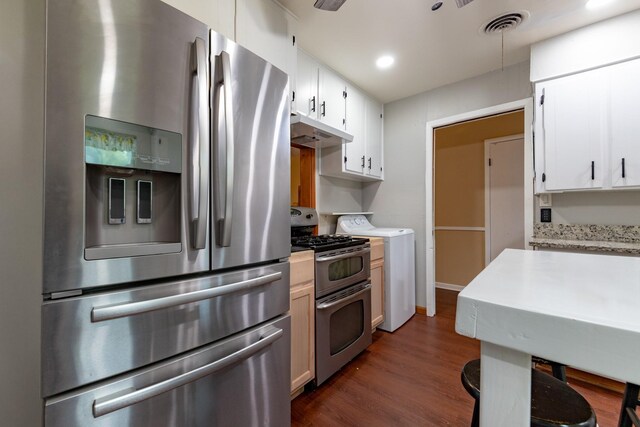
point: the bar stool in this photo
(557, 369)
(553, 402)
(628, 416)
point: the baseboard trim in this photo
(449, 286)
(421, 310)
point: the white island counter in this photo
(579, 309)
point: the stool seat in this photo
(553, 402)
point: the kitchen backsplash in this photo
(606, 233)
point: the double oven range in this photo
(342, 292)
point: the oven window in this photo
(346, 325)
(345, 268)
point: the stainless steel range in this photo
(343, 292)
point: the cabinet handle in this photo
(369, 163)
(313, 104)
(362, 162)
(593, 170)
(324, 106)
(623, 171)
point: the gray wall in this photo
(22, 28)
(399, 201)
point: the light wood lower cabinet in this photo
(302, 320)
(377, 281)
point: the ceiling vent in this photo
(504, 22)
(331, 5)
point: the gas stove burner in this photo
(326, 242)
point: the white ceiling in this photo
(431, 49)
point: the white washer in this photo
(399, 267)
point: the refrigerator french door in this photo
(250, 152)
(126, 144)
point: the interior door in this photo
(250, 157)
(506, 195)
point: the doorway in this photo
(504, 195)
(525, 108)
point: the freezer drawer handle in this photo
(347, 298)
(107, 405)
(100, 314)
(199, 144)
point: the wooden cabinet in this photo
(624, 98)
(586, 130)
(374, 138)
(331, 97)
(354, 152)
(570, 114)
(306, 100)
(377, 281)
(302, 319)
(361, 159)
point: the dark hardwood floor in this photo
(412, 378)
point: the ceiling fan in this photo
(459, 3)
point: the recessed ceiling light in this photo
(595, 4)
(385, 61)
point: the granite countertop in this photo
(597, 238)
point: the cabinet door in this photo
(354, 151)
(377, 293)
(332, 108)
(374, 138)
(263, 28)
(302, 335)
(624, 120)
(573, 116)
(306, 85)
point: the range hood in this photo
(313, 133)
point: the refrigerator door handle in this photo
(101, 314)
(199, 144)
(224, 153)
(109, 404)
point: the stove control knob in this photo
(309, 216)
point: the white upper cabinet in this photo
(571, 113)
(354, 152)
(361, 159)
(268, 30)
(374, 138)
(306, 99)
(331, 94)
(624, 121)
(587, 130)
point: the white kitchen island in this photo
(579, 309)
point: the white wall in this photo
(217, 14)
(592, 207)
(399, 201)
(22, 25)
(336, 195)
(603, 43)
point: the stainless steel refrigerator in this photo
(166, 228)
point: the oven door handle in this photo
(100, 314)
(344, 255)
(342, 300)
(108, 404)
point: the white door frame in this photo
(523, 104)
(487, 192)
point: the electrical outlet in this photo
(545, 215)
